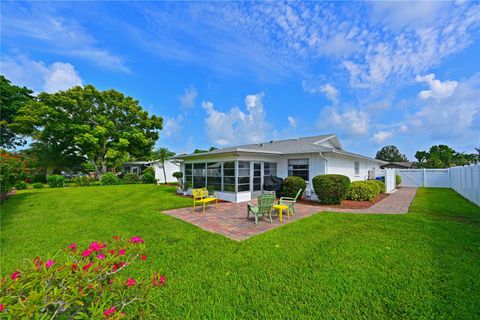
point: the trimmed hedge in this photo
(56, 181)
(109, 179)
(380, 184)
(331, 188)
(148, 178)
(398, 180)
(83, 181)
(130, 178)
(363, 191)
(291, 185)
(38, 185)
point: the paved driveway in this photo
(230, 219)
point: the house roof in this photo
(406, 164)
(311, 144)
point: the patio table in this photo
(280, 208)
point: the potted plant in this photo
(179, 176)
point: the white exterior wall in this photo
(345, 165)
(170, 168)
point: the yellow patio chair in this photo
(201, 196)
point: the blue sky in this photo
(229, 73)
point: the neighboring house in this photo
(399, 165)
(237, 173)
(138, 167)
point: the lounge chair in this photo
(290, 202)
(265, 203)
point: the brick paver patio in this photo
(230, 219)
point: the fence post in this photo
(424, 172)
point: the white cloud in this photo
(438, 89)
(188, 97)
(381, 136)
(57, 35)
(351, 122)
(292, 122)
(172, 126)
(236, 126)
(39, 76)
(316, 86)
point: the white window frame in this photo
(356, 168)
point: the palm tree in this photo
(163, 154)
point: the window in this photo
(298, 168)
(188, 175)
(269, 169)
(357, 168)
(199, 180)
(229, 176)
(243, 176)
(135, 170)
(214, 176)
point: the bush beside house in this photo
(148, 178)
(56, 181)
(363, 191)
(398, 180)
(380, 184)
(130, 178)
(331, 188)
(291, 185)
(109, 179)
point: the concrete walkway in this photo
(230, 219)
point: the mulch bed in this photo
(346, 204)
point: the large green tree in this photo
(163, 154)
(442, 156)
(203, 151)
(99, 125)
(12, 98)
(390, 154)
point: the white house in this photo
(137, 167)
(237, 173)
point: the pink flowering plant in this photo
(89, 283)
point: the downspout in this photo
(326, 162)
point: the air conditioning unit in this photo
(308, 192)
(371, 174)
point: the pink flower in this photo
(95, 246)
(123, 264)
(101, 256)
(121, 252)
(1, 307)
(130, 282)
(112, 252)
(49, 263)
(74, 266)
(136, 240)
(87, 252)
(109, 311)
(143, 257)
(158, 280)
(73, 247)
(15, 275)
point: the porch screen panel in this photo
(188, 175)
(269, 169)
(298, 168)
(199, 175)
(229, 176)
(243, 176)
(214, 176)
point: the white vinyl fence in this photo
(464, 180)
(390, 181)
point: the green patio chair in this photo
(265, 203)
(290, 202)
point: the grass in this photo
(423, 265)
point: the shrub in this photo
(84, 181)
(291, 185)
(38, 185)
(109, 179)
(21, 185)
(150, 170)
(39, 178)
(398, 180)
(12, 170)
(363, 191)
(130, 178)
(178, 175)
(331, 188)
(148, 178)
(56, 181)
(96, 183)
(380, 184)
(84, 283)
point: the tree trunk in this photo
(97, 173)
(164, 173)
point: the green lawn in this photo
(423, 265)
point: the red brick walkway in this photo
(230, 219)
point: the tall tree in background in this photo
(390, 154)
(202, 151)
(12, 98)
(91, 123)
(163, 154)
